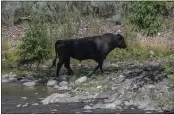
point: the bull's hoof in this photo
(52, 67)
(70, 73)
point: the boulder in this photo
(51, 82)
(30, 84)
(81, 80)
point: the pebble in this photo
(87, 107)
(19, 105)
(24, 98)
(35, 104)
(25, 105)
(53, 110)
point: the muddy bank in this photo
(124, 87)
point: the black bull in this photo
(96, 48)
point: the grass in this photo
(139, 46)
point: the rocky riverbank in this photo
(123, 86)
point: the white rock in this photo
(63, 88)
(53, 110)
(121, 76)
(24, 98)
(30, 84)
(63, 83)
(35, 104)
(51, 82)
(81, 80)
(111, 106)
(117, 102)
(99, 106)
(129, 103)
(152, 53)
(25, 105)
(99, 87)
(111, 99)
(56, 86)
(54, 98)
(12, 79)
(87, 107)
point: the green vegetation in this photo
(147, 17)
(50, 21)
(36, 45)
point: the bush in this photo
(147, 16)
(36, 44)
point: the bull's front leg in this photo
(100, 65)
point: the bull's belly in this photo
(83, 57)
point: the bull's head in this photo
(120, 41)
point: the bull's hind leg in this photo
(59, 65)
(67, 66)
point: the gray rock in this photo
(87, 107)
(35, 104)
(5, 76)
(81, 80)
(99, 106)
(25, 80)
(111, 99)
(103, 95)
(52, 82)
(63, 88)
(12, 79)
(29, 76)
(162, 88)
(63, 84)
(30, 84)
(5, 80)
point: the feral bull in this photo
(96, 48)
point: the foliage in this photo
(36, 45)
(147, 16)
(5, 45)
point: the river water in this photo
(14, 94)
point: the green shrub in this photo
(36, 44)
(146, 16)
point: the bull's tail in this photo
(54, 61)
(57, 45)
